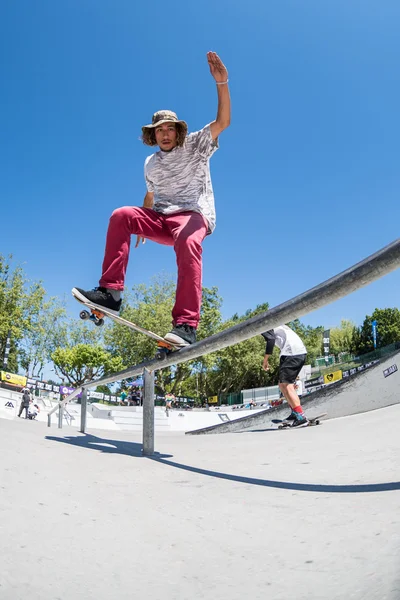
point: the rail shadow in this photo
(134, 449)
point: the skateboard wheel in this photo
(99, 322)
(84, 314)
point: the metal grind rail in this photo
(361, 274)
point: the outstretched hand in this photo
(217, 68)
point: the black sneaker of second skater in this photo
(299, 421)
(290, 418)
(181, 335)
(99, 296)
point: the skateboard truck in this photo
(163, 349)
(94, 315)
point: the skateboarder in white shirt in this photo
(292, 359)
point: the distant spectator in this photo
(168, 406)
(33, 410)
(26, 398)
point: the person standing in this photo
(26, 398)
(293, 355)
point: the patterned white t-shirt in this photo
(181, 180)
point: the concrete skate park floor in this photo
(308, 514)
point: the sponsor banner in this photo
(9, 405)
(373, 362)
(66, 391)
(42, 385)
(224, 417)
(12, 378)
(213, 400)
(332, 377)
(96, 395)
(7, 350)
(313, 382)
(374, 326)
(317, 381)
(326, 344)
(390, 370)
(319, 387)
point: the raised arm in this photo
(220, 74)
(269, 336)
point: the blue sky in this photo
(307, 177)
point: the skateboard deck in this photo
(282, 424)
(97, 314)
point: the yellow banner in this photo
(331, 377)
(11, 378)
(213, 400)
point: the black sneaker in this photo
(100, 297)
(300, 421)
(290, 418)
(181, 335)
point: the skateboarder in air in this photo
(178, 210)
(293, 358)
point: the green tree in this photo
(240, 366)
(43, 335)
(311, 337)
(150, 307)
(388, 330)
(341, 338)
(83, 363)
(20, 302)
(190, 379)
(103, 389)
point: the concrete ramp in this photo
(376, 387)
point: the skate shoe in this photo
(100, 297)
(181, 335)
(290, 418)
(299, 421)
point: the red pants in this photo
(184, 231)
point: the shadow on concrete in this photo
(105, 445)
(134, 449)
(288, 485)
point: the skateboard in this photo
(97, 314)
(282, 424)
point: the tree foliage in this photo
(150, 307)
(311, 337)
(84, 362)
(238, 367)
(41, 331)
(44, 335)
(22, 305)
(388, 330)
(342, 338)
